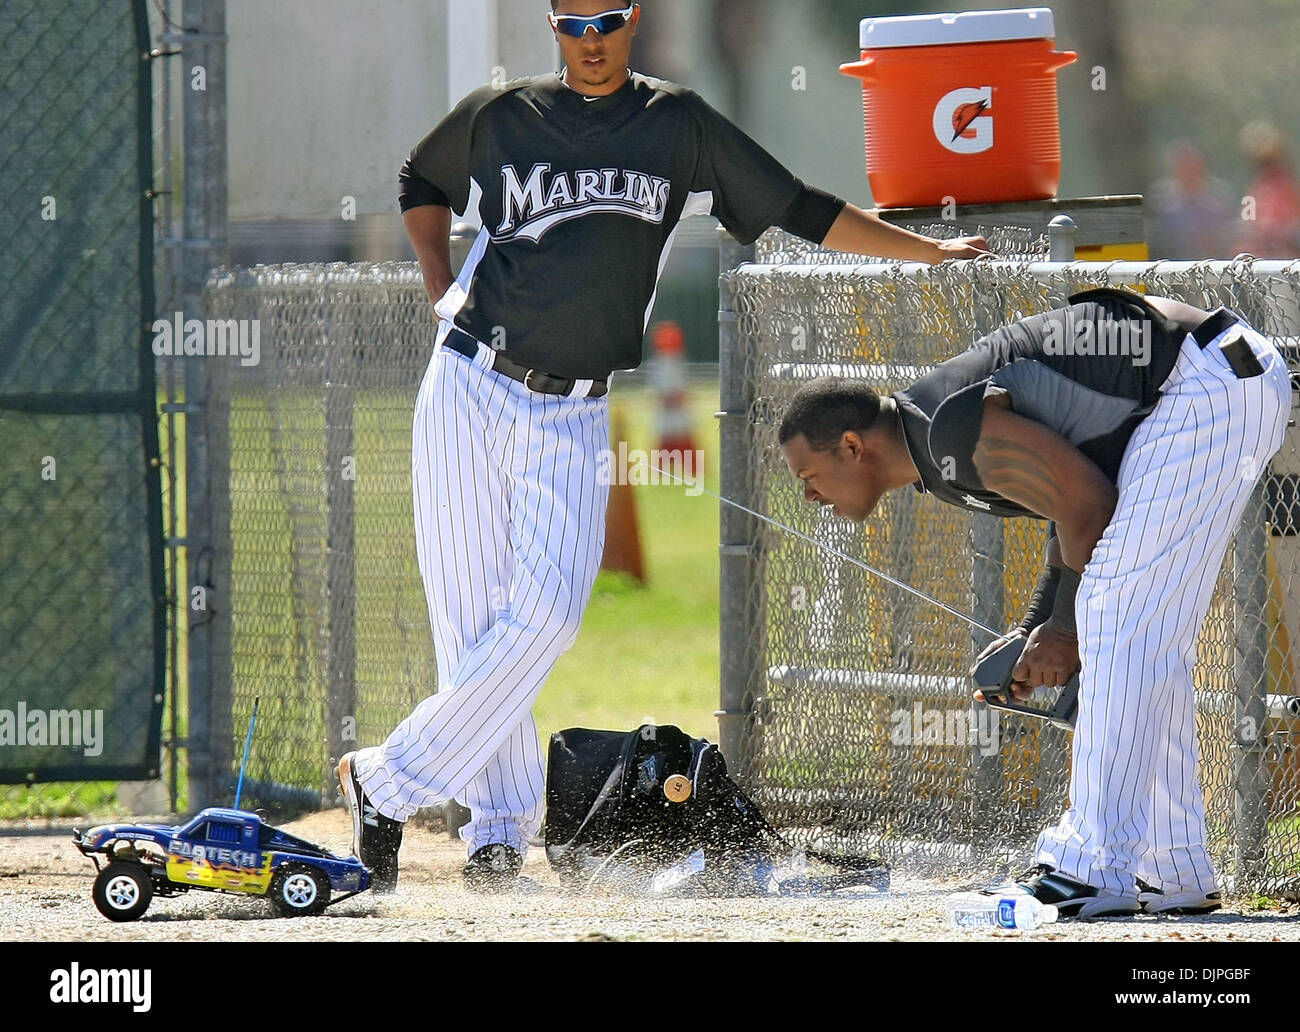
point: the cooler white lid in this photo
(921, 30)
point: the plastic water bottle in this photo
(671, 878)
(1006, 910)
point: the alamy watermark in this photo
(75, 984)
(638, 467)
(77, 729)
(1104, 337)
(924, 725)
(209, 338)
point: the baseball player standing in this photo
(1143, 453)
(580, 179)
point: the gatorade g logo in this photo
(962, 121)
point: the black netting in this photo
(81, 621)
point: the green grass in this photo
(58, 799)
(645, 653)
(651, 653)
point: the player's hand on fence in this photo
(1051, 657)
(963, 247)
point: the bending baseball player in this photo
(580, 179)
(1143, 458)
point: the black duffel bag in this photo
(654, 808)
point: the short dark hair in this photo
(823, 410)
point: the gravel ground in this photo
(45, 895)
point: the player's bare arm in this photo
(1051, 560)
(429, 227)
(860, 232)
(1031, 464)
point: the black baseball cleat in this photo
(375, 838)
(1177, 901)
(493, 868)
(1073, 898)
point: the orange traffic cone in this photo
(622, 534)
(668, 377)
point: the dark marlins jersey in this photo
(579, 200)
(1091, 371)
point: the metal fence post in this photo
(988, 552)
(340, 543)
(1061, 232)
(988, 547)
(1250, 675)
(205, 247)
(738, 651)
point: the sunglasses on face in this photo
(604, 23)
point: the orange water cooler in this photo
(960, 107)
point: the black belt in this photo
(1219, 320)
(1236, 350)
(534, 379)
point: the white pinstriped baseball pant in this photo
(1136, 807)
(509, 531)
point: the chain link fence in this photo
(326, 616)
(852, 719)
(308, 428)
